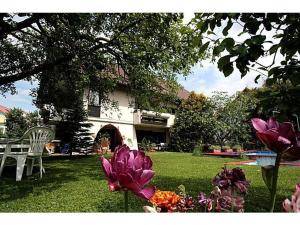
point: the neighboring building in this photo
(128, 125)
(3, 111)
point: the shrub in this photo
(198, 150)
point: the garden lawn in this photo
(79, 185)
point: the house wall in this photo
(120, 117)
(127, 131)
(125, 118)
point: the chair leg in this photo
(30, 164)
(20, 167)
(41, 167)
(2, 164)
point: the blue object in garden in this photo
(263, 158)
(65, 149)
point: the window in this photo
(94, 111)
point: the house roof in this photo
(118, 70)
(4, 109)
(183, 93)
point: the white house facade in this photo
(124, 123)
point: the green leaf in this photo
(212, 24)
(195, 41)
(218, 49)
(228, 26)
(228, 69)
(223, 61)
(273, 49)
(258, 39)
(228, 43)
(182, 191)
(203, 47)
(267, 175)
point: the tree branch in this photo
(6, 28)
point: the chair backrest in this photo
(38, 138)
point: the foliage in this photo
(194, 102)
(192, 124)
(73, 129)
(245, 51)
(68, 52)
(18, 121)
(146, 144)
(230, 116)
(223, 119)
(198, 150)
(280, 97)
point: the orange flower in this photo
(166, 200)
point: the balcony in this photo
(150, 118)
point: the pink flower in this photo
(294, 205)
(129, 170)
(279, 137)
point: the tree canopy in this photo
(66, 52)
(258, 35)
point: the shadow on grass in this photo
(58, 173)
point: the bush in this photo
(18, 121)
(198, 150)
(213, 147)
(146, 144)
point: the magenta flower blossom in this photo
(129, 170)
(294, 205)
(279, 137)
(234, 179)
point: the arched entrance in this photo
(112, 133)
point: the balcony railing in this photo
(153, 118)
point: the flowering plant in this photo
(228, 195)
(282, 139)
(129, 170)
(294, 205)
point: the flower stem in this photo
(274, 181)
(126, 201)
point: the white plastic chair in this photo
(36, 137)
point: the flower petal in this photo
(284, 140)
(272, 123)
(287, 130)
(106, 167)
(287, 205)
(146, 177)
(259, 124)
(146, 193)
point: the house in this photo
(3, 111)
(126, 124)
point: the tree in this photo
(73, 129)
(85, 50)
(212, 31)
(17, 122)
(230, 116)
(192, 123)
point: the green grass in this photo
(78, 185)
